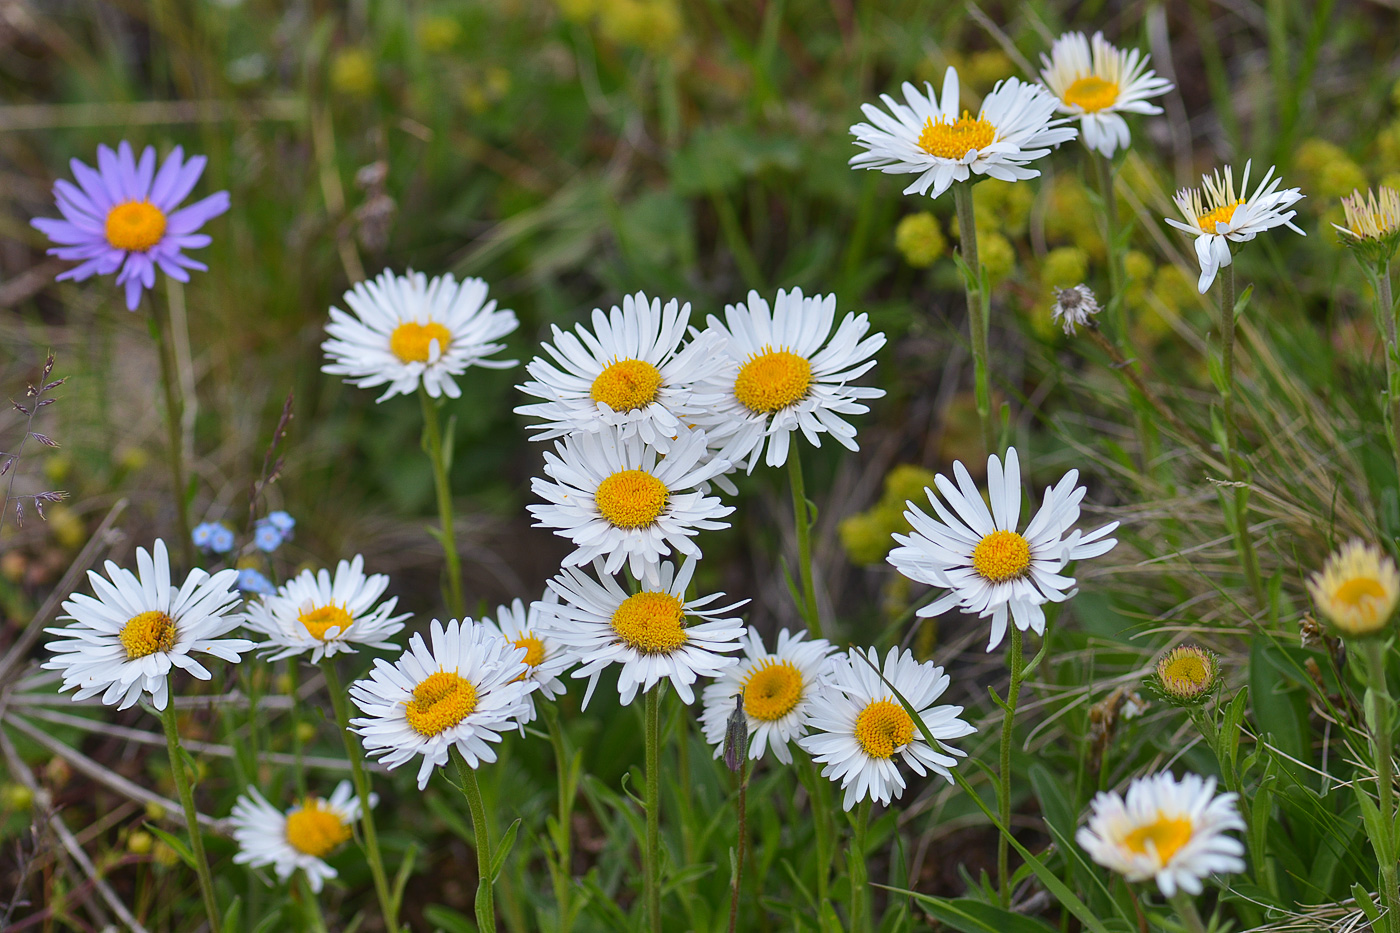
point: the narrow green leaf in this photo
(972, 916)
(175, 842)
(498, 858)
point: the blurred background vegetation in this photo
(569, 152)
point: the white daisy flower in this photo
(463, 692)
(300, 838)
(987, 566)
(545, 657)
(778, 690)
(786, 371)
(313, 612)
(1217, 218)
(406, 330)
(1168, 830)
(630, 371)
(943, 143)
(651, 633)
(125, 642)
(618, 500)
(1097, 81)
(860, 730)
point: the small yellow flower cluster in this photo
(866, 535)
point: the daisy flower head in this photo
(406, 331)
(1075, 307)
(545, 657)
(460, 689)
(326, 615)
(125, 641)
(778, 689)
(1166, 830)
(787, 371)
(617, 499)
(1357, 589)
(1216, 216)
(860, 731)
(979, 557)
(123, 216)
(1097, 82)
(630, 371)
(1187, 675)
(302, 837)
(654, 633)
(1372, 223)
(935, 138)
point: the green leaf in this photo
(972, 916)
(1368, 906)
(498, 858)
(401, 879)
(232, 918)
(175, 842)
(1242, 302)
(445, 918)
(448, 435)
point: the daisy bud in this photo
(736, 736)
(1187, 675)
(1373, 223)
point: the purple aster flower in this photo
(122, 216)
(250, 581)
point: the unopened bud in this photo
(736, 736)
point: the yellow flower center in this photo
(135, 225)
(652, 623)
(626, 385)
(315, 830)
(1001, 556)
(955, 139)
(411, 341)
(1186, 672)
(147, 633)
(1091, 93)
(1359, 591)
(1221, 215)
(773, 380)
(322, 618)
(772, 690)
(631, 498)
(440, 702)
(1167, 835)
(883, 728)
(534, 649)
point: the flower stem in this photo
(802, 517)
(1016, 660)
(817, 790)
(182, 785)
(1385, 310)
(1185, 909)
(651, 866)
(1103, 168)
(388, 909)
(1379, 723)
(977, 303)
(311, 904)
(485, 907)
(432, 443)
(174, 412)
(855, 862)
(1243, 544)
(563, 835)
(739, 847)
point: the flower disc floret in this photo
(439, 702)
(631, 498)
(135, 225)
(1091, 94)
(412, 342)
(316, 829)
(1187, 673)
(626, 385)
(772, 380)
(147, 633)
(322, 619)
(954, 139)
(772, 690)
(534, 649)
(1001, 556)
(651, 622)
(883, 728)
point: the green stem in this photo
(485, 906)
(977, 304)
(1243, 543)
(315, 919)
(388, 909)
(174, 411)
(1185, 909)
(432, 431)
(186, 792)
(563, 837)
(1103, 168)
(1015, 659)
(855, 861)
(651, 866)
(294, 692)
(739, 847)
(1378, 714)
(817, 790)
(802, 517)
(1385, 310)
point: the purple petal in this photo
(145, 172)
(105, 264)
(109, 168)
(93, 186)
(133, 294)
(191, 241)
(191, 218)
(75, 214)
(77, 198)
(171, 267)
(126, 169)
(87, 251)
(61, 231)
(166, 178)
(182, 184)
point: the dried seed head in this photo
(736, 736)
